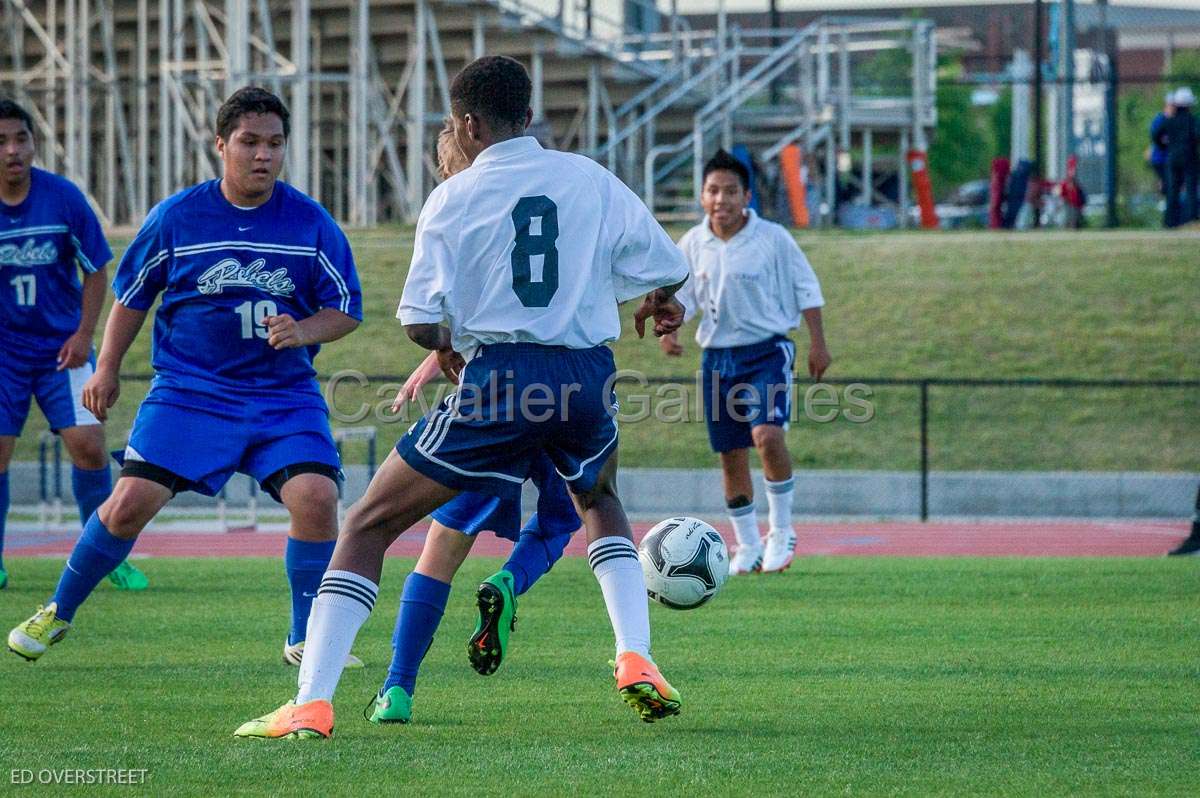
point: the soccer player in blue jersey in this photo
(253, 277)
(519, 264)
(48, 234)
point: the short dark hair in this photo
(494, 87)
(250, 100)
(10, 110)
(724, 162)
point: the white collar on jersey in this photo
(747, 230)
(508, 148)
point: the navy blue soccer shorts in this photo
(745, 386)
(517, 402)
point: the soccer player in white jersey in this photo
(753, 285)
(519, 264)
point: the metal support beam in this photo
(298, 147)
(477, 39)
(237, 44)
(593, 107)
(165, 108)
(539, 110)
(415, 128)
(360, 76)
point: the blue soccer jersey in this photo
(221, 271)
(44, 242)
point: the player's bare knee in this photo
(127, 511)
(768, 438)
(604, 491)
(311, 501)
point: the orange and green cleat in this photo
(312, 720)
(644, 688)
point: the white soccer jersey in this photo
(750, 288)
(534, 245)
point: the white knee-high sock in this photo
(344, 602)
(615, 563)
(779, 504)
(745, 525)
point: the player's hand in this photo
(74, 352)
(665, 310)
(451, 364)
(284, 332)
(426, 372)
(670, 345)
(100, 393)
(818, 360)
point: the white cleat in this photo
(781, 549)
(293, 654)
(747, 559)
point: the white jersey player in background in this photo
(519, 264)
(753, 285)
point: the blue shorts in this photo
(59, 393)
(516, 402)
(472, 512)
(193, 437)
(745, 386)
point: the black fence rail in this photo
(923, 387)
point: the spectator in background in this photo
(1183, 161)
(1156, 156)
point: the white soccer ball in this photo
(685, 562)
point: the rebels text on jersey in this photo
(221, 271)
(44, 242)
(536, 246)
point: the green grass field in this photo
(844, 676)
(909, 305)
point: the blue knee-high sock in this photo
(91, 488)
(533, 556)
(3, 512)
(305, 563)
(421, 606)
(96, 553)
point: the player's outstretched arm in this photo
(76, 349)
(327, 324)
(101, 390)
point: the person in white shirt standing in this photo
(753, 285)
(518, 266)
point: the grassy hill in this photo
(907, 305)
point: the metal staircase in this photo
(125, 92)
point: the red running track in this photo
(899, 539)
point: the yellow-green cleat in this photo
(392, 706)
(31, 639)
(127, 577)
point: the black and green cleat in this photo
(497, 617)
